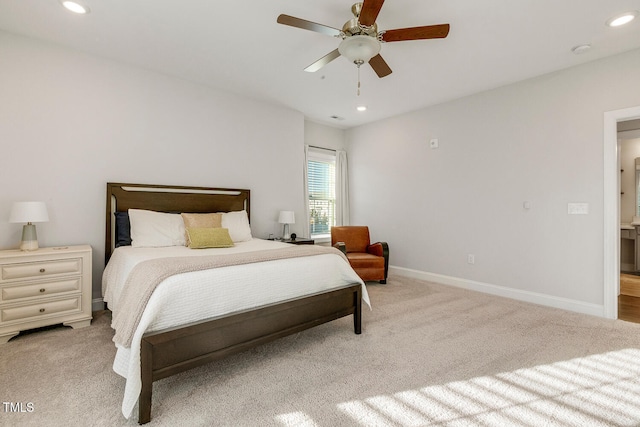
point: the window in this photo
(321, 182)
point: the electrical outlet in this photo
(471, 259)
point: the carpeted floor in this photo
(429, 355)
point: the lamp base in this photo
(286, 234)
(29, 238)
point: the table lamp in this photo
(29, 212)
(286, 218)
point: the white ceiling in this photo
(238, 46)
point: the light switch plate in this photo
(578, 208)
(433, 143)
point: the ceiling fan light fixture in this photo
(622, 19)
(359, 49)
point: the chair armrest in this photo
(341, 246)
(381, 249)
(378, 249)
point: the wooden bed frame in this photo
(172, 351)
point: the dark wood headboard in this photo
(169, 198)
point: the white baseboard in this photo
(517, 294)
(97, 304)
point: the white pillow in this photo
(238, 224)
(150, 229)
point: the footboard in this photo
(172, 351)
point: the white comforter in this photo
(189, 297)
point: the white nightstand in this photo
(44, 287)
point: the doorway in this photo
(611, 215)
(629, 163)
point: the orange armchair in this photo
(370, 261)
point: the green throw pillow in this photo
(200, 238)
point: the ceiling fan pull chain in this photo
(358, 63)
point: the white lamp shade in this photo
(287, 217)
(29, 212)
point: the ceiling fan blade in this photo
(380, 66)
(323, 61)
(369, 12)
(307, 25)
(416, 33)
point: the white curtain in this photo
(306, 233)
(342, 188)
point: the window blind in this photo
(321, 179)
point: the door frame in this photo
(612, 207)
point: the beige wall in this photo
(323, 136)
(72, 122)
(538, 141)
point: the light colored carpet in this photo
(429, 355)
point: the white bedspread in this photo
(189, 297)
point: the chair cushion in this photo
(364, 260)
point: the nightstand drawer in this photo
(30, 312)
(40, 269)
(11, 293)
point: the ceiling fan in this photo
(361, 41)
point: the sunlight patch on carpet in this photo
(597, 390)
(296, 419)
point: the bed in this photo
(202, 314)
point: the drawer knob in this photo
(42, 310)
(42, 270)
(42, 290)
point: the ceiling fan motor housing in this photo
(353, 28)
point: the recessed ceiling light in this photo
(75, 6)
(581, 49)
(622, 19)
(361, 108)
